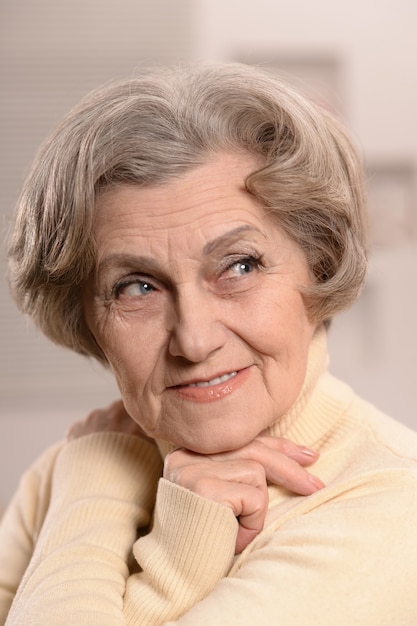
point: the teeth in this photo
(214, 381)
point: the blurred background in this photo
(359, 57)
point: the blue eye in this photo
(134, 288)
(243, 267)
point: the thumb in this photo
(244, 537)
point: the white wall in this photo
(373, 346)
(375, 39)
(53, 52)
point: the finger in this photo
(279, 468)
(248, 502)
(252, 518)
(302, 454)
(289, 474)
(71, 432)
(238, 484)
(244, 538)
(214, 480)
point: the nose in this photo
(197, 330)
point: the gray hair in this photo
(160, 125)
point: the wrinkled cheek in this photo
(133, 379)
(124, 375)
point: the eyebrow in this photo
(123, 260)
(231, 235)
(126, 260)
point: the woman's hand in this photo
(238, 479)
(113, 418)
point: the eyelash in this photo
(254, 260)
(128, 281)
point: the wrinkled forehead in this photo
(216, 187)
(205, 212)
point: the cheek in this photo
(135, 351)
(280, 317)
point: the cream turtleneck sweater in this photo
(94, 536)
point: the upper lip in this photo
(203, 379)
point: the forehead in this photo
(210, 197)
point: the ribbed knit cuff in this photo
(191, 546)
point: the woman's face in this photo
(196, 304)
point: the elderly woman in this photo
(196, 230)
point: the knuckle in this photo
(175, 457)
(286, 446)
(254, 471)
(206, 486)
(177, 468)
(259, 502)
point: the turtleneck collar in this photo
(314, 412)
(321, 402)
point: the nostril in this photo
(196, 342)
(196, 329)
(192, 346)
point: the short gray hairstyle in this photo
(159, 125)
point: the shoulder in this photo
(363, 440)
(392, 435)
(31, 499)
(382, 448)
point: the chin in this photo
(217, 445)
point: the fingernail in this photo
(308, 452)
(316, 482)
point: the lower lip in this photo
(216, 392)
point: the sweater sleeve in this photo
(103, 490)
(188, 552)
(347, 556)
(20, 525)
(349, 559)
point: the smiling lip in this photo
(213, 389)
